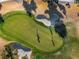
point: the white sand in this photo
(44, 21)
(22, 53)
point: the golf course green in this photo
(22, 27)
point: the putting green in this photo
(24, 28)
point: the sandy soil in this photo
(13, 6)
(72, 12)
(10, 6)
(74, 54)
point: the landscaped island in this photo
(26, 30)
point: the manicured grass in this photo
(23, 28)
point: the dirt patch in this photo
(74, 55)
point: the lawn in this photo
(25, 29)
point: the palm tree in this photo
(77, 1)
(9, 53)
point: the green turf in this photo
(23, 28)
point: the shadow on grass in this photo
(55, 17)
(61, 29)
(1, 19)
(37, 34)
(62, 8)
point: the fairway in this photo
(20, 26)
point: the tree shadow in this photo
(78, 5)
(68, 5)
(0, 6)
(55, 17)
(41, 16)
(53, 10)
(56, 1)
(62, 8)
(37, 34)
(78, 14)
(29, 7)
(60, 28)
(1, 19)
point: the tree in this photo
(77, 1)
(8, 52)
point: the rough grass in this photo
(23, 28)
